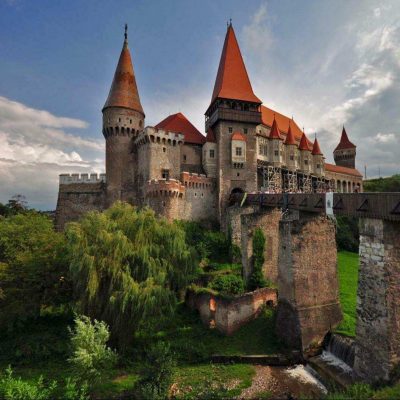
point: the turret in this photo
(123, 118)
(291, 153)
(306, 160)
(210, 154)
(318, 159)
(345, 152)
(276, 144)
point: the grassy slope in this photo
(348, 280)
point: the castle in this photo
(183, 174)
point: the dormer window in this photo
(238, 151)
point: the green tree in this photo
(33, 268)
(127, 267)
(257, 279)
(90, 354)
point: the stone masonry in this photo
(308, 305)
(378, 306)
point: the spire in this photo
(316, 151)
(345, 142)
(290, 136)
(124, 92)
(304, 143)
(275, 134)
(232, 81)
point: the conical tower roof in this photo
(316, 151)
(232, 81)
(290, 136)
(304, 143)
(345, 142)
(275, 134)
(124, 92)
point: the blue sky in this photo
(325, 62)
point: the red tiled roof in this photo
(275, 134)
(342, 170)
(178, 123)
(345, 142)
(304, 143)
(238, 136)
(290, 137)
(124, 92)
(316, 151)
(232, 81)
(210, 136)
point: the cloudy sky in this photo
(327, 63)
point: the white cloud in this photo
(36, 148)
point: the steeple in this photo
(304, 143)
(232, 81)
(345, 142)
(275, 134)
(316, 151)
(124, 92)
(290, 136)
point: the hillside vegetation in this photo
(388, 184)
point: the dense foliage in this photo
(90, 354)
(128, 267)
(257, 279)
(347, 233)
(389, 184)
(228, 284)
(33, 268)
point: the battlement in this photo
(201, 181)
(151, 134)
(68, 179)
(165, 187)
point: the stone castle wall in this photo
(77, 195)
(378, 307)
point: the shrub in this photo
(91, 356)
(157, 372)
(75, 391)
(16, 389)
(228, 284)
(347, 233)
(257, 279)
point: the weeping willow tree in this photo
(128, 266)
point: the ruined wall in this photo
(307, 280)
(228, 315)
(77, 195)
(378, 306)
(268, 222)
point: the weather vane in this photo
(126, 31)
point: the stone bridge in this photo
(301, 259)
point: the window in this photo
(245, 131)
(164, 149)
(238, 174)
(291, 157)
(238, 151)
(318, 166)
(119, 119)
(276, 152)
(212, 153)
(306, 161)
(230, 129)
(165, 173)
(184, 157)
(260, 149)
(130, 121)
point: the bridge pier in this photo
(378, 300)
(308, 302)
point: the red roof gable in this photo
(238, 136)
(290, 136)
(178, 123)
(304, 143)
(232, 81)
(124, 92)
(210, 136)
(342, 170)
(316, 151)
(275, 134)
(345, 142)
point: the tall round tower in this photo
(123, 118)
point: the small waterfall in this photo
(342, 348)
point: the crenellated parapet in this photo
(165, 188)
(154, 135)
(68, 179)
(197, 181)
